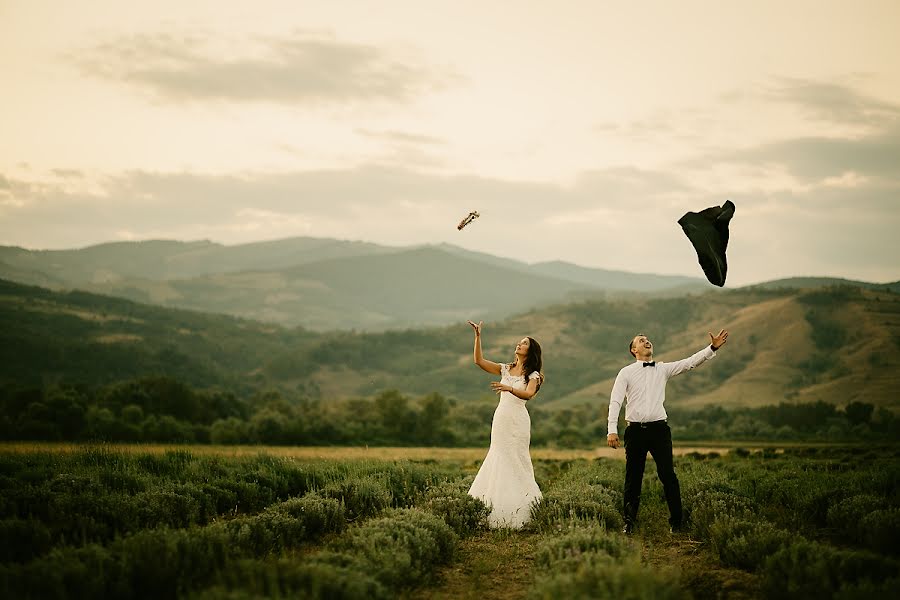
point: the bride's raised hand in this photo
(477, 327)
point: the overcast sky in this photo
(582, 131)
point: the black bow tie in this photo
(650, 364)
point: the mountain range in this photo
(328, 284)
(322, 284)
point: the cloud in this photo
(401, 137)
(857, 137)
(834, 103)
(682, 125)
(614, 218)
(303, 68)
(812, 159)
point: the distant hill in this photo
(818, 282)
(832, 344)
(324, 284)
(168, 259)
(412, 288)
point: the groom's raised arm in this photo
(698, 358)
(686, 364)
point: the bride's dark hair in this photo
(533, 361)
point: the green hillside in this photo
(49, 337)
(813, 364)
(836, 345)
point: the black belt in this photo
(647, 424)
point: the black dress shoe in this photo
(628, 529)
(677, 529)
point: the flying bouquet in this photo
(469, 218)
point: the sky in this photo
(581, 131)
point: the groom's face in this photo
(641, 344)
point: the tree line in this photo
(163, 409)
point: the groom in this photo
(644, 384)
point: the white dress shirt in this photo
(645, 388)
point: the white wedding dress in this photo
(505, 481)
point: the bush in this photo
(158, 563)
(22, 540)
(286, 525)
(810, 570)
(567, 551)
(402, 548)
(881, 530)
(406, 482)
(321, 577)
(85, 572)
(584, 502)
(706, 506)
(250, 496)
(600, 577)
(164, 507)
(463, 513)
(317, 514)
(845, 517)
(362, 496)
(746, 544)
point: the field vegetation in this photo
(97, 522)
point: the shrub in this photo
(362, 496)
(317, 514)
(881, 530)
(22, 540)
(868, 589)
(164, 507)
(321, 577)
(744, 543)
(576, 503)
(85, 572)
(706, 506)
(599, 577)
(250, 497)
(463, 513)
(123, 481)
(401, 548)
(164, 563)
(846, 515)
(407, 482)
(811, 570)
(567, 551)
(286, 525)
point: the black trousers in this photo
(655, 438)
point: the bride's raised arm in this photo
(486, 365)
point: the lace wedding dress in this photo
(505, 481)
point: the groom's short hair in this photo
(631, 344)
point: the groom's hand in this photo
(717, 341)
(612, 440)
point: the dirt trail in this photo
(700, 571)
(491, 565)
(498, 565)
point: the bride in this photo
(505, 481)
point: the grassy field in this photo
(366, 452)
(250, 522)
(462, 455)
